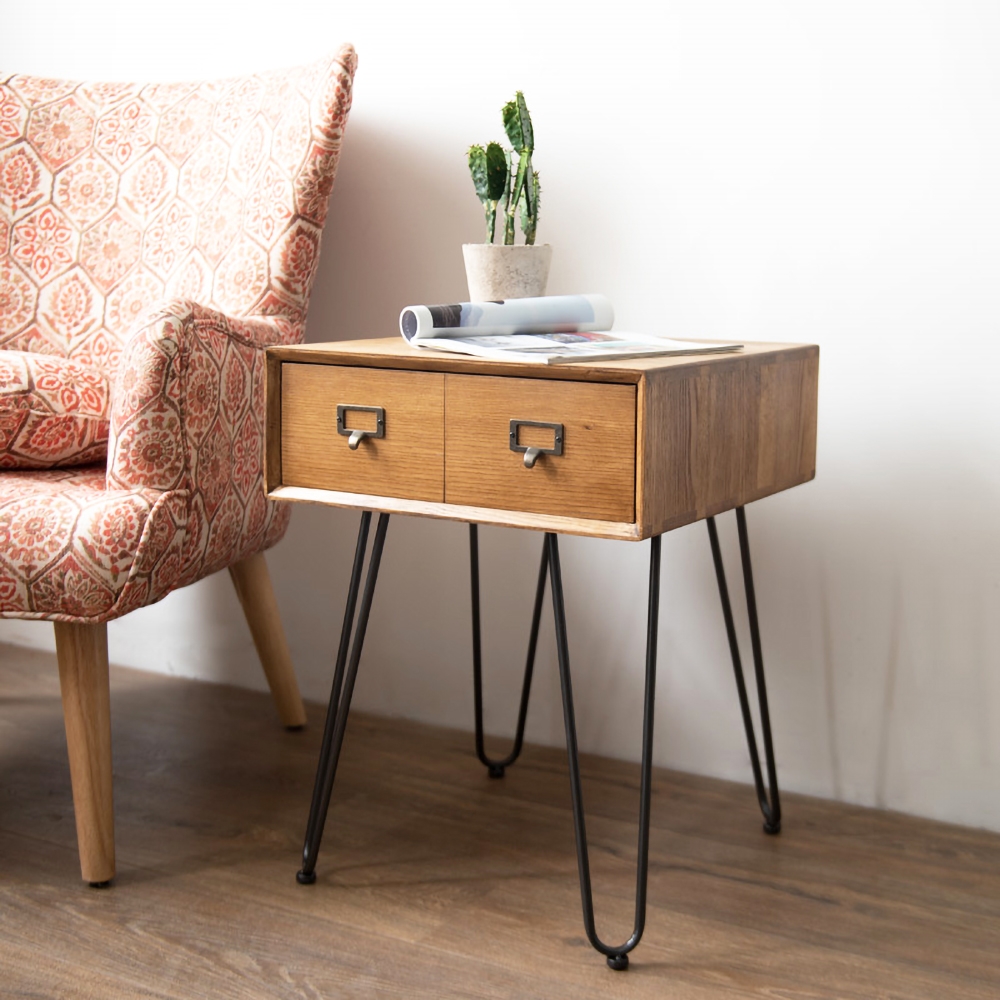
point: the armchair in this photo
(153, 241)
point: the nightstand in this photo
(622, 449)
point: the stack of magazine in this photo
(550, 330)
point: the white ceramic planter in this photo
(495, 271)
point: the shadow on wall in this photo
(393, 236)
(399, 214)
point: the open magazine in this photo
(552, 329)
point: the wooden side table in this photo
(623, 449)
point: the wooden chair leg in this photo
(253, 587)
(82, 651)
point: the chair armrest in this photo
(187, 414)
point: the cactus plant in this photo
(506, 178)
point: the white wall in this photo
(823, 172)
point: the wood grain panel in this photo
(782, 440)
(394, 352)
(593, 527)
(694, 444)
(408, 462)
(593, 478)
(272, 420)
(724, 433)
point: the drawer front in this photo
(406, 461)
(594, 477)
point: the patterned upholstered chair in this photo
(153, 241)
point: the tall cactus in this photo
(496, 177)
(517, 125)
(489, 169)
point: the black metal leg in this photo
(617, 956)
(496, 768)
(344, 676)
(770, 808)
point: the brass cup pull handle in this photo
(355, 435)
(533, 452)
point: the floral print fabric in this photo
(72, 550)
(52, 412)
(162, 235)
(116, 196)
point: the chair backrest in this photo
(116, 196)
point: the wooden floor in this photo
(437, 882)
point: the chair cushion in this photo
(53, 412)
(73, 550)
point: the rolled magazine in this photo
(545, 314)
(551, 329)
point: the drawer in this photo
(594, 477)
(406, 461)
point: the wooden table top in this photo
(394, 352)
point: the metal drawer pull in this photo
(356, 436)
(532, 453)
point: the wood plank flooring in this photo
(436, 882)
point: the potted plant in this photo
(507, 184)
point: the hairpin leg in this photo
(617, 957)
(496, 768)
(342, 690)
(770, 808)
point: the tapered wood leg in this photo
(253, 587)
(82, 651)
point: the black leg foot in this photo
(106, 884)
(497, 768)
(617, 957)
(305, 878)
(770, 806)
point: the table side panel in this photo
(782, 440)
(593, 478)
(408, 462)
(720, 436)
(272, 421)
